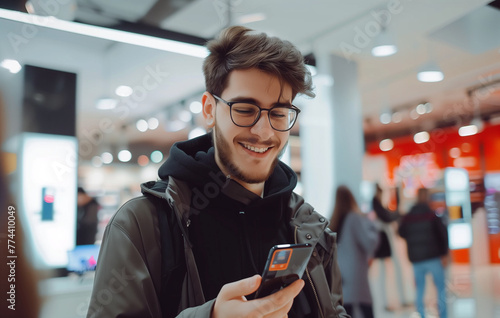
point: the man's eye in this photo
(244, 110)
(279, 113)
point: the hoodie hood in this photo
(193, 162)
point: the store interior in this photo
(132, 73)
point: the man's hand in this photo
(231, 301)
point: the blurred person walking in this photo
(358, 238)
(427, 240)
(387, 248)
(87, 219)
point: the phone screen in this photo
(285, 264)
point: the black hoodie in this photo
(232, 229)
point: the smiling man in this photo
(196, 242)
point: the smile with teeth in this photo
(254, 149)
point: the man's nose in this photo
(262, 127)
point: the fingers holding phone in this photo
(231, 301)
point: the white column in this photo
(332, 133)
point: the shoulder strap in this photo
(173, 267)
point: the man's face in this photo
(248, 154)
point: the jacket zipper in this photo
(311, 282)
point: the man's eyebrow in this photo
(252, 100)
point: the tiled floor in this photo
(473, 291)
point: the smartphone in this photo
(285, 264)
(48, 194)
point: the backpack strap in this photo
(173, 267)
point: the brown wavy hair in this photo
(344, 203)
(238, 47)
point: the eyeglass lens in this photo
(281, 118)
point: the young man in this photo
(195, 244)
(427, 241)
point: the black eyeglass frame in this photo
(230, 104)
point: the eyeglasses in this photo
(245, 114)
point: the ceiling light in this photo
(421, 109)
(428, 107)
(478, 122)
(124, 155)
(249, 18)
(141, 125)
(96, 161)
(12, 65)
(397, 117)
(384, 45)
(156, 156)
(384, 50)
(386, 145)
(467, 130)
(106, 103)
(143, 160)
(124, 91)
(195, 107)
(107, 34)
(185, 116)
(385, 118)
(430, 73)
(106, 158)
(413, 114)
(153, 123)
(421, 137)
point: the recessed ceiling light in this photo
(430, 73)
(141, 125)
(467, 130)
(106, 103)
(421, 137)
(124, 91)
(124, 155)
(249, 18)
(384, 45)
(156, 156)
(385, 118)
(107, 34)
(12, 65)
(153, 123)
(386, 145)
(195, 107)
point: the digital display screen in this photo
(83, 258)
(48, 182)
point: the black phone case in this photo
(285, 264)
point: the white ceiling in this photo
(421, 29)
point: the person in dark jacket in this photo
(386, 219)
(87, 218)
(427, 241)
(196, 243)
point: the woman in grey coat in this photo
(357, 240)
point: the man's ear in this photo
(208, 102)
